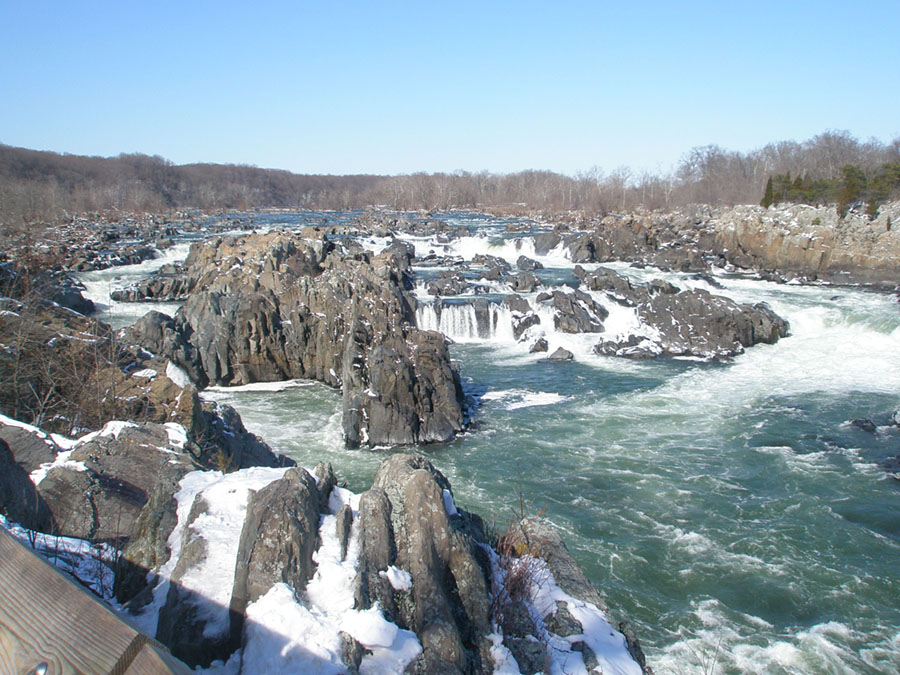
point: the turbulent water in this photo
(729, 510)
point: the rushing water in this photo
(729, 510)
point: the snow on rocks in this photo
(177, 375)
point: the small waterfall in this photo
(478, 321)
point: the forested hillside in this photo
(831, 167)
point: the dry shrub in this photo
(520, 559)
(58, 369)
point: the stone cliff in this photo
(789, 241)
(279, 306)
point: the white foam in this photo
(459, 322)
(261, 386)
(522, 398)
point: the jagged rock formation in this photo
(448, 283)
(577, 312)
(280, 306)
(683, 322)
(792, 241)
(404, 523)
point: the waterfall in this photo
(477, 321)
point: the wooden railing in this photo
(50, 625)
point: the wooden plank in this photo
(47, 618)
(153, 659)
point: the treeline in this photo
(46, 186)
(853, 186)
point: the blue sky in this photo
(398, 87)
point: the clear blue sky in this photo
(398, 87)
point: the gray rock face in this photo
(279, 537)
(29, 449)
(403, 522)
(281, 306)
(168, 284)
(184, 625)
(546, 242)
(539, 346)
(19, 500)
(615, 285)
(492, 263)
(577, 312)
(698, 323)
(541, 539)
(527, 264)
(685, 322)
(796, 241)
(103, 502)
(561, 354)
(147, 547)
(448, 283)
(524, 282)
(523, 317)
(159, 334)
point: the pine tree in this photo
(767, 197)
(853, 183)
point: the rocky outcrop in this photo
(169, 283)
(101, 497)
(404, 523)
(187, 625)
(791, 241)
(538, 536)
(19, 501)
(812, 242)
(279, 537)
(523, 317)
(527, 264)
(561, 354)
(281, 306)
(450, 283)
(697, 323)
(459, 587)
(683, 322)
(524, 282)
(577, 312)
(29, 448)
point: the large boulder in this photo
(19, 501)
(697, 323)
(279, 537)
(693, 322)
(29, 447)
(406, 523)
(577, 312)
(99, 494)
(448, 283)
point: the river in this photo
(729, 510)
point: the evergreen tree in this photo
(767, 197)
(853, 184)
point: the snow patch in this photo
(177, 375)
(400, 580)
(177, 435)
(449, 505)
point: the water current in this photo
(729, 510)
